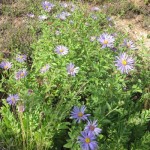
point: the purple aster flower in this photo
(129, 44)
(45, 68)
(42, 17)
(66, 5)
(78, 114)
(106, 40)
(12, 99)
(73, 7)
(124, 63)
(87, 141)
(63, 15)
(5, 65)
(95, 8)
(109, 18)
(72, 70)
(47, 6)
(21, 58)
(63, 4)
(94, 17)
(92, 127)
(67, 14)
(21, 108)
(31, 15)
(20, 74)
(61, 50)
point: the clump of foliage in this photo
(80, 61)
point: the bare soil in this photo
(135, 22)
(134, 28)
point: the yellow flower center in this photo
(6, 67)
(92, 128)
(80, 114)
(61, 50)
(22, 74)
(13, 99)
(87, 140)
(44, 67)
(105, 41)
(47, 6)
(124, 62)
(128, 45)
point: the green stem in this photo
(23, 131)
(110, 112)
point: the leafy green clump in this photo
(49, 89)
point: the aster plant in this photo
(47, 6)
(68, 5)
(42, 17)
(73, 8)
(12, 99)
(79, 114)
(72, 70)
(106, 40)
(67, 14)
(92, 127)
(95, 8)
(94, 17)
(5, 65)
(64, 5)
(61, 50)
(88, 141)
(124, 63)
(45, 68)
(21, 74)
(21, 58)
(47, 95)
(129, 44)
(30, 15)
(63, 15)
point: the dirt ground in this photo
(134, 28)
